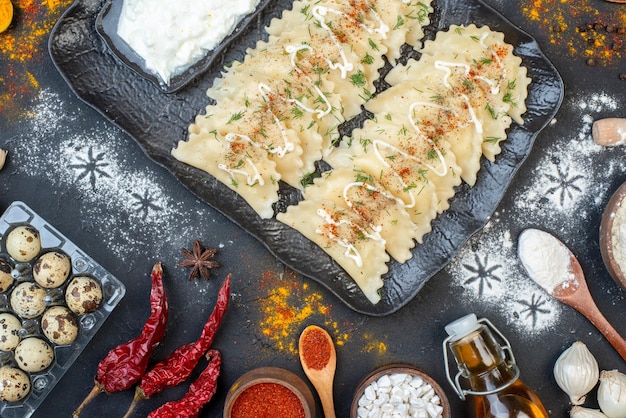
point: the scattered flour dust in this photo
(112, 188)
(559, 191)
(489, 274)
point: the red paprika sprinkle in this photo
(315, 349)
(267, 400)
(124, 365)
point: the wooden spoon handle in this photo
(610, 131)
(593, 314)
(328, 404)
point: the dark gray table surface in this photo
(93, 183)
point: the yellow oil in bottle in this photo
(515, 401)
(495, 387)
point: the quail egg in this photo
(52, 269)
(59, 325)
(28, 300)
(33, 354)
(14, 384)
(23, 243)
(83, 295)
(6, 278)
(10, 327)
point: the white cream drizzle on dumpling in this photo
(338, 64)
(421, 199)
(500, 79)
(297, 69)
(299, 119)
(358, 249)
(236, 161)
(438, 112)
(345, 40)
(306, 101)
(405, 21)
(357, 25)
(254, 119)
(383, 212)
(417, 171)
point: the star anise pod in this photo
(199, 260)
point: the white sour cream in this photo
(173, 35)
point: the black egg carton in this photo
(113, 291)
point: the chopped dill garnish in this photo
(432, 154)
(399, 22)
(363, 177)
(365, 142)
(235, 117)
(358, 79)
(308, 178)
(367, 59)
(492, 111)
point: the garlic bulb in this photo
(612, 394)
(580, 412)
(576, 372)
(3, 157)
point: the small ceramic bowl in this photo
(274, 375)
(394, 369)
(612, 241)
(106, 26)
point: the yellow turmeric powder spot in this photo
(289, 307)
(52, 4)
(373, 345)
(580, 31)
(32, 80)
(6, 14)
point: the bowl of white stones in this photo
(399, 389)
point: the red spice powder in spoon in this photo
(315, 349)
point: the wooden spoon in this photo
(616, 1)
(565, 281)
(319, 360)
(610, 131)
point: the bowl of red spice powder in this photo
(613, 236)
(269, 392)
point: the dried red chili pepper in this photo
(124, 365)
(177, 367)
(200, 392)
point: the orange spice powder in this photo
(289, 304)
(22, 48)
(267, 400)
(579, 30)
(315, 349)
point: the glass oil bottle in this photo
(490, 371)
